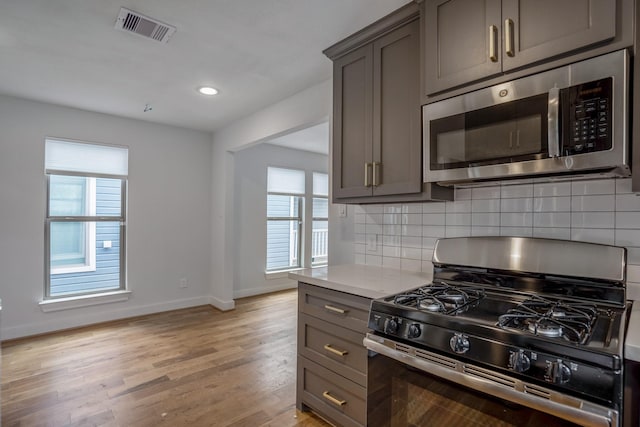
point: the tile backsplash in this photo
(601, 211)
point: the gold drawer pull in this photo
(334, 309)
(333, 400)
(335, 351)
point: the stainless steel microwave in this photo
(568, 120)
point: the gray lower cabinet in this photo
(332, 361)
(469, 40)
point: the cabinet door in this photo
(397, 145)
(457, 42)
(541, 29)
(352, 125)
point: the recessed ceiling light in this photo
(207, 90)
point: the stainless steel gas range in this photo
(511, 331)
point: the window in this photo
(320, 233)
(290, 243)
(85, 222)
(285, 198)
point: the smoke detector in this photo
(137, 23)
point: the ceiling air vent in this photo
(136, 23)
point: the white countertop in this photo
(362, 280)
(632, 341)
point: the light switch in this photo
(342, 211)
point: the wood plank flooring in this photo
(192, 367)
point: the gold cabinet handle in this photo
(333, 400)
(340, 353)
(334, 309)
(508, 37)
(376, 170)
(366, 174)
(493, 43)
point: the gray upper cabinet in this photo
(469, 40)
(376, 140)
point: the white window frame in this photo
(90, 236)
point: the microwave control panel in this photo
(586, 117)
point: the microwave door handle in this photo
(553, 137)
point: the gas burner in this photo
(572, 321)
(430, 304)
(440, 297)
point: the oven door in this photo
(403, 390)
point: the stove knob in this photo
(414, 330)
(557, 372)
(518, 361)
(391, 325)
(459, 343)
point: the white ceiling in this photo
(256, 52)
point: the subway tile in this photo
(552, 219)
(427, 254)
(373, 260)
(633, 273)
(462, 194)
(391, 262)
(360, 248)
(392, 209)
(411, 242)
(411, 230)
(592, 220)
(628, 220)
(593, 235)
(519, 219)
(412, 208)
(628, 202)
(623, 185)
(392, 219)
(411, 219)
(358, 209)
(434, 207)
(433, 219)
(516, 191)
(359, 218)
(391, 230)
(429, 242)
(552, 189)
(359, 238)
(411, 253)
(633, 290)
(597, 186)
(391, 240)
(458, 219)
(411, 264)
(374, 228)
(360, 228)
(624, 237)
(479, 230)
(633, 255)
(360, 259)
(391, 251)
(485, 219)
(375, 218)
(485, 205)
(516, 231)
(480, 193)
(552, 204)
(462, 206)
(600, 203)
(427, 267)
(374, 209)
(516, 205)
(433, 230)
(457, 231)
(552, 233)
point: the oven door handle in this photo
(553, 124)
(567, 407)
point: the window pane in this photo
(320, 184)
(279, 206)
(320, 242)
(99, 267)
(68, 196)
(285, 181)
(320, 207)
(282, 244)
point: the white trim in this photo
(68, 303)
(242, 293)
(280, 274)
(221, 304)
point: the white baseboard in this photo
(51, 324)
(242, 293)
(221, 304)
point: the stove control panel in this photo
(557, 372)
(519, 361)
(459, 343)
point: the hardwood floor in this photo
(192, 367)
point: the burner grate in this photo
(440, 297)
(548, 318)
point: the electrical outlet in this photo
(183, 282)
(372, 242)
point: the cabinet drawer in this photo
(348, 311)
(332, 396)
(335, 348)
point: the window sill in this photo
(59, 304)
(280, 274)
